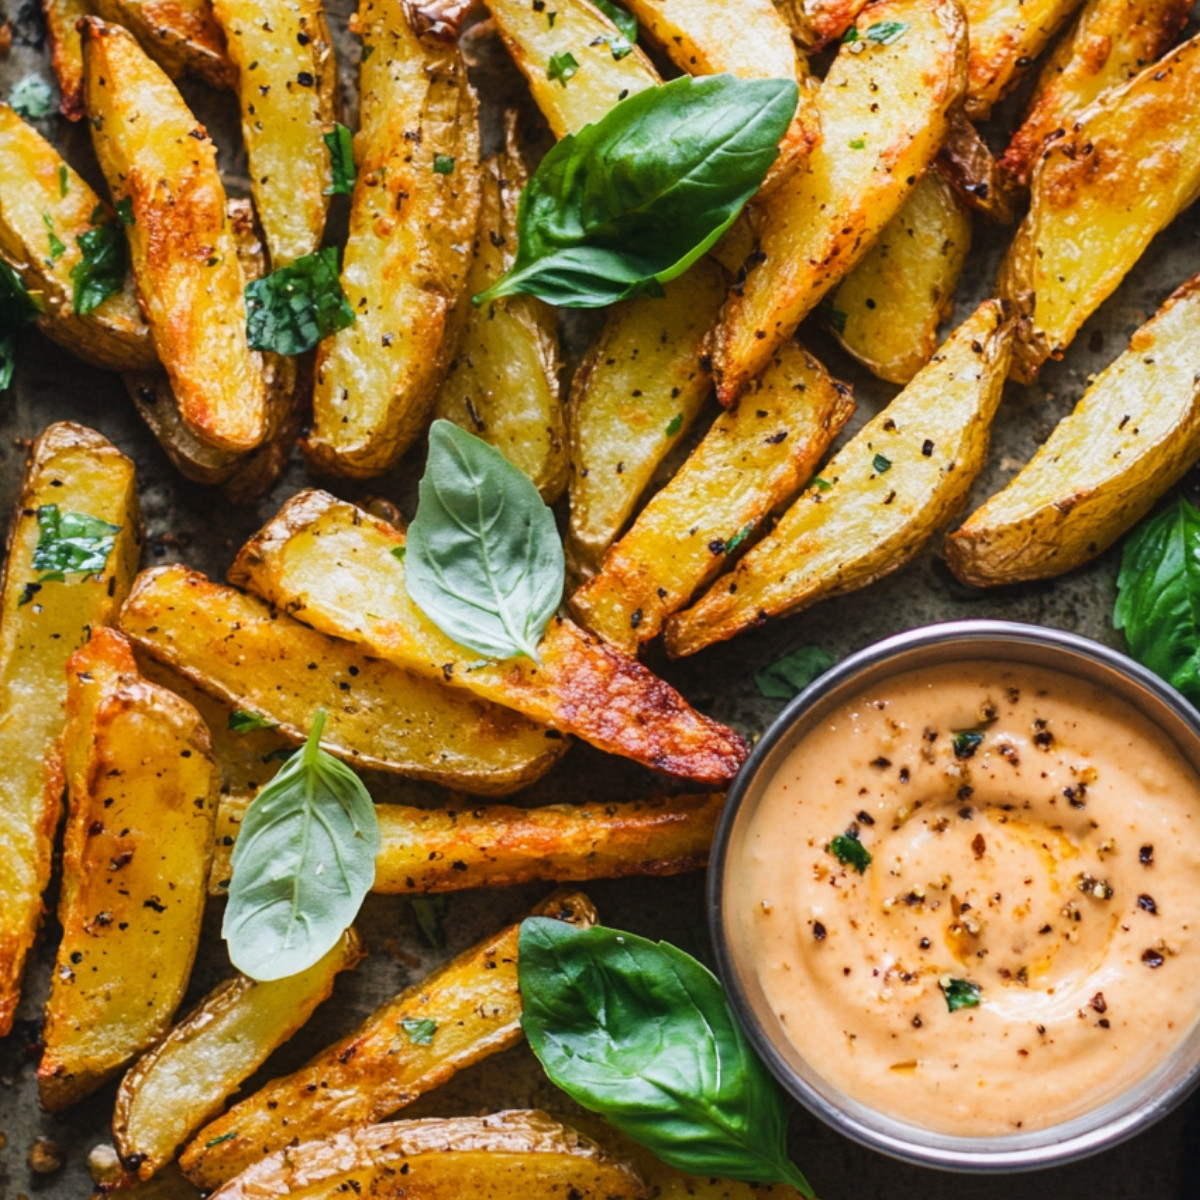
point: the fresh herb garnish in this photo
(17, 309)
(70, 542)
(822, 485)
(884, 33)
(64, 182)
(836, 318)
(303, 861)
(443, 164)
(100, 271)
(31, 98)
(125, 211)
(881, 463)
(626, 22)
(429, 912)
(857, 144)
(793, 672)
(633, 200)
(739, 537)
(420, 1030)
(341, 160)
(57, 249)
(367, 50)
(966, 742)
(619, 47)
(642, 1033)
(218, 1140)
(293, 308)
(674, 425)
(562, 67)
(484, 562)
(8, 360)
(960, 993)
(242, 721)
(848, 850)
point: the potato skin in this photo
(66, 52)
(182, 36)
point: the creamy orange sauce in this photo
(1049, 856)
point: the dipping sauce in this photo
(1021, 943)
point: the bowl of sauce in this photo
(955, 897)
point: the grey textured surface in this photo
(192, 524)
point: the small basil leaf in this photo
(887, 32)
(960, 993)
(420, 1030)
(626, 22)
(71, 541)
(849, 851)
(100, 271)
(484, 561)
(881, 463)
(242, 721)
(429, 912)
(630, 202)
(793, 672)
(562, 67)
(642, 1033)
(31, 98)
(293, 308)
(302, 863)
(341, 161)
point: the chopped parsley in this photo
(858, 143)
(100, 271)
(420, 1031)
(218, 1140)
(626, 22)
(793, 672)
(125, 211)
(966, 742)
(293, 308)
(881, 463)
(675, 424)
(32, 98)
(430, 912)
(960, 993)
(64, 183)
(822, 485)
(57, 249)
(739, 537)
(847, 849)
(71, 542)
(562, 67)
(883, 33)
(341, 160)
(398, 552)
(243, 721)
(17, 308)
(443, 164)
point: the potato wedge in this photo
(636, 393)
(66, 52)
(514, 1155)
(182, 36)
(323, 561)
(412, 220)
(820, 221)
(886, 312)
(40, 194)
(902, 475)
(816, 23)
(1110, 42)
(751, 463)
(43, 624)
(1129, 166)
(379, 1068)
(190, 282)
(182, 1082)
(142, 798)
(379, 715)
(287, 88)
(1132, 436)
(966, 163)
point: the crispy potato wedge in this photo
(251, 658)
(157, 156)
(409, 250)
(66, 52)
(182, 36)
(32, 191)
(901, 477)
(142, 792)
(751, 463)
(886, 312)
(1132, 436)
(636, 393)
(1110, 42)
(1130, 164)
(823, 218)
(514, 1155)
(965, 162)
(182, 1082)
(322, 560)
(816, 23)
(379, 1068)
(43, 624)
(275, 46)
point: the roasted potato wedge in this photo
(251, 658)
(966, 163)
(636, 393)
(184, 1080)
(1129, 165)
(379, 1068)
(182, 36)
(39, 195)
(902, 475)
(886, 312)
(77, 472)
(322, 560)
(158, 157)
(142, 791)
(1111, 41)
(823, 218)
(751, 463)
(514, 1155)
(1131, 437)
(66, 52)
(816, 23)
(412, 220)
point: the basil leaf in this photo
(101, 271)
(420, 1030)
(17, 306)
(793, 672)
(562, 67)
(341, 161)
(31, 98)
(960, 993)
(887, 32)
(429, 912)
(302, 863)
(1158, 596)
(71, 541)
(849, 851)
(632, 201)
(484, 562)
(242, 721)
(293, 308)
(626, 22)
(642, 1033)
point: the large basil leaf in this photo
(1158, 596)
(484, 562)
(627, 203)
(302, 863)
(71, 542)
(641, 1032)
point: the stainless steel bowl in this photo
(1147, 1101)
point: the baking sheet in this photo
(191, 524)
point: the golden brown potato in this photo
(155, 155)
(514, 1155)
(1111, 41)
(816, 23)
(635, 394)
(323, 561)
(1098, 196)
(185, 1079)
(381, 716)
(66, 52)
(1131, 437)
(821, 220)
(73, 472)
(182, 36)
(881, 497)
(886, 312)
(37, 186)
(142, 795)
(965, 162)
(751, 463)
(412, 220)
(386, 1063)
